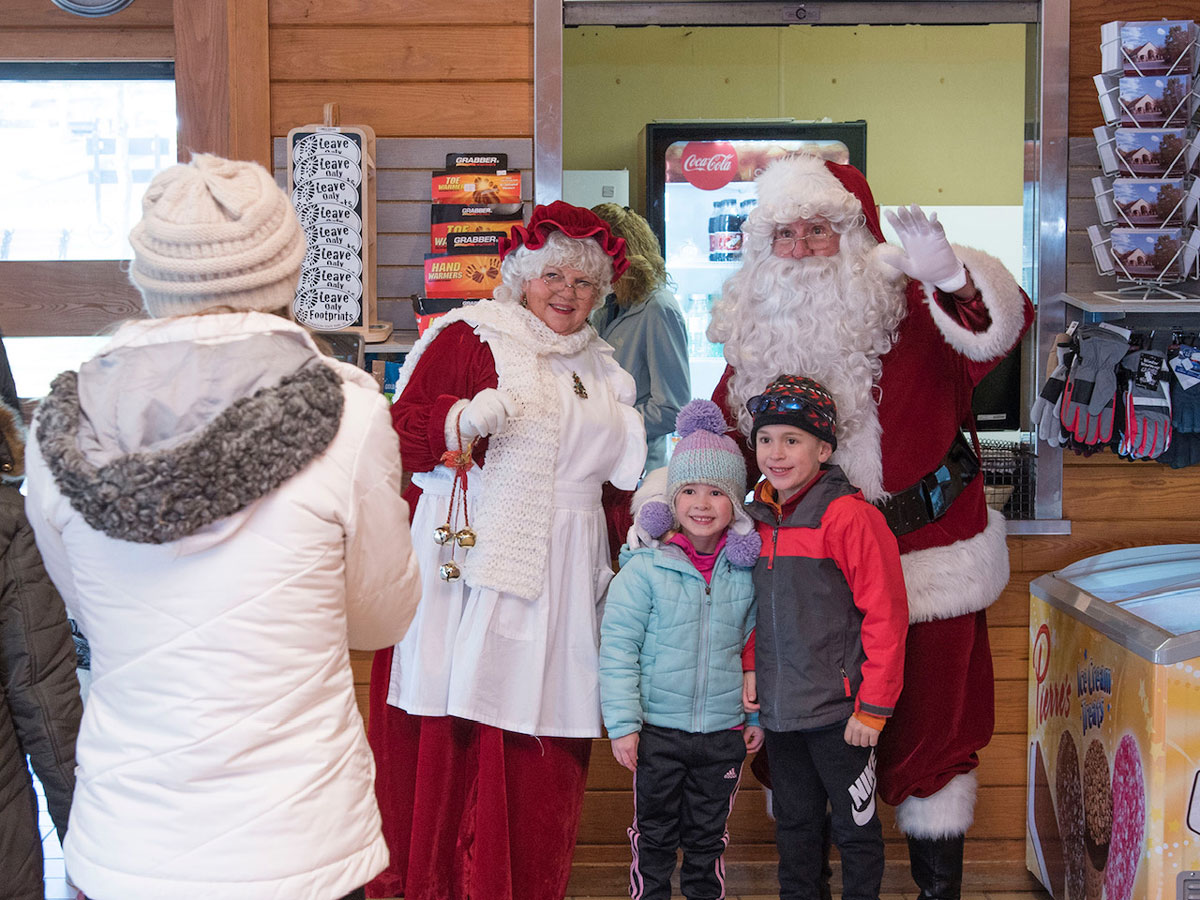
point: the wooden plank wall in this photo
(37, 30)
(402, 198)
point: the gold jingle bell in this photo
(442, 535)
(465, 538)
(449, 571)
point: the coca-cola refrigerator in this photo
(699, 181)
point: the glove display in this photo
(1046, 411)
(1185, 389)
(1089, 398)
(486, 414)
(1147, 402)
(927, 255)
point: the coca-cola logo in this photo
(709, 165)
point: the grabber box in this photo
(481, 179)
(458, 218)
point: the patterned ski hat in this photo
(798, 401)
(705, 454)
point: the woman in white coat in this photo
(219, 505)
(483, 717)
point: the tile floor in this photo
(57, 887)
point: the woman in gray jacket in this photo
(39, 696)
(643, 322)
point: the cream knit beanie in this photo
(215, 232)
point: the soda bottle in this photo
(714, 231)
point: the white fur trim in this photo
(450, 428)
(1003, 298)
(800, 187)
(653, 487)
(860, 456)
(960, 578)
(948, 813)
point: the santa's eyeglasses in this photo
(767, 403)
(816, 237)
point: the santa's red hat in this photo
(802, 186)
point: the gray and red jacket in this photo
(832, 609)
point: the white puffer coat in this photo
(222, 755)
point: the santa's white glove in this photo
(927, 255)
(485, 414)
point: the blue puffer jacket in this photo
(671, 645)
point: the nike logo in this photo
(862, 794)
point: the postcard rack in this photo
(1148, 197)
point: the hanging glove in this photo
(1089, 398)
(485, 414)
(1185, 389)
(927, 255)
(1147, 400)
(1046, 410)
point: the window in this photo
(79, 142)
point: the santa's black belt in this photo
(928, 499)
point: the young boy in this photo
(829, 651)
(676, 620)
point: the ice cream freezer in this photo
(1113, 801)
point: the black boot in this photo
(937, 867)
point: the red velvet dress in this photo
(470, 810)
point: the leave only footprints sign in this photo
(325, 177)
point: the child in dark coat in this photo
(39, 694)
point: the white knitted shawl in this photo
(516, 501)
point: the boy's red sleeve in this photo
(865, 550)
(748, 653)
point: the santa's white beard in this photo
(827, 318)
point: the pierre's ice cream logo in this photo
(1053, 698)
(1095, 690)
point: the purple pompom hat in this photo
(705, 454)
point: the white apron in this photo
(492, 657)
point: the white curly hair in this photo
(523, 265)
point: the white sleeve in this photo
(383, 583)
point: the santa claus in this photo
(900, 337)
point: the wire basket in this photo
(1009, 477)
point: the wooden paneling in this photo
(465, 14)
(402, 207)
(38, 30)
(98, 45)
(65, 298)
(1086, 18)
(392, 53)
(221, 84)
(409, 110)
(44, 14)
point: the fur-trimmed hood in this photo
(12, 444)
(181, 423)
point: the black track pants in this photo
(683, 791)
(807, 769)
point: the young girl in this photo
(677, 617)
